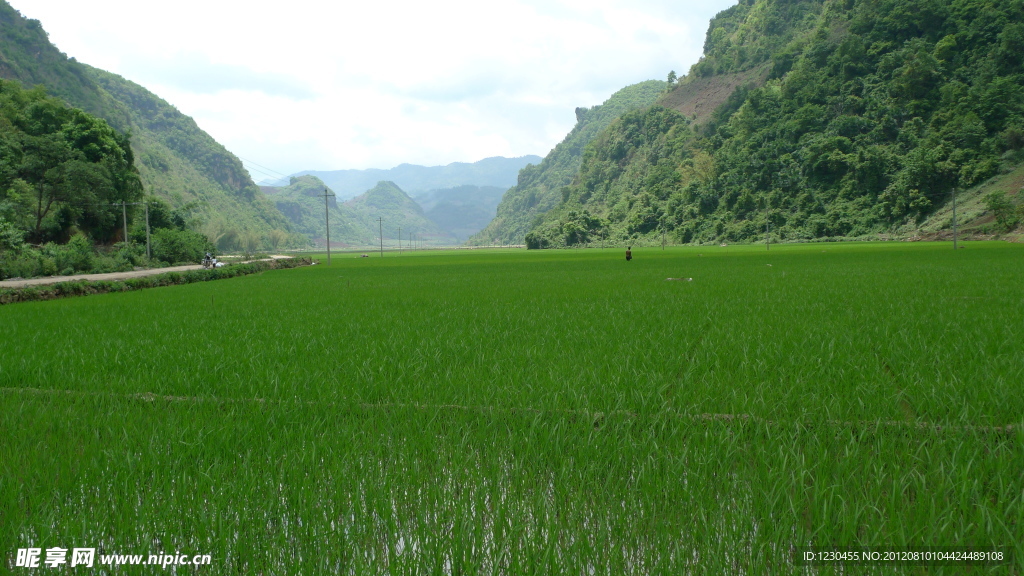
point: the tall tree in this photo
(61, 168)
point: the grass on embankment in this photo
(86, 287)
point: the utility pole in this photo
(954, 218)
(148, 253)
(767, 238)
(327, 220)
(124, 215)
(399, 240)
(380, 227)
(124, 219)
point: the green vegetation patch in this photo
(860, 119)
(528, 412)
(61, 169)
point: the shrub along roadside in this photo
(87, 287)
(170, 247)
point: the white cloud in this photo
(315, 85)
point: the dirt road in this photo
(109, 276)
(95, 277)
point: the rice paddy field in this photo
(514, 412)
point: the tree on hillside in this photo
(61, 168)
(1002, 210)
(276, 237)
(10, 237)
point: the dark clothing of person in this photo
(629, 255)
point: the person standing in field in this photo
(629, 253)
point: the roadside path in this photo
(110, 275)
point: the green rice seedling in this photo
(528, 413)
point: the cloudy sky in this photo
(310, 84)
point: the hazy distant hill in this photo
(461, 211)
(176, 159)
(355, 222)
(398, 212)
(496, 171)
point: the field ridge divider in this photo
(151, 397)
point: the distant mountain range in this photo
(446, 216)
(414, 179)
(461, 211)
(456, 201)
(358, 222)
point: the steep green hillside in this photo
(302, 202)
(181, 162)
(354, 223)
(27, 55)
(869, 113)
(175, 158)
(978, 213)
(539, 186)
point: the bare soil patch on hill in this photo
(697, 98)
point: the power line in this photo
(269, 171)
(262, 173)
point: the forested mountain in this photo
(840, 118)
(538, 188)
(355, 222)
(302, 202)
(176, 160)
(397, 212)
(496, 171)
